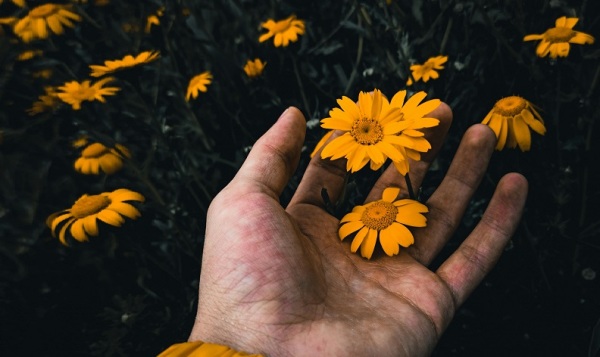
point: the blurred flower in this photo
(198, 83)
(254, 68)
(511, 118)
(43, 19)
(29, 54)
(81, 220)
(153, 19)
(127, 61)
(47, 101)
(19, 3)
(80, 142)
(321, 143)
(375, 129)
(284, 31)
(43, 73)
(555, 41)
(427, 70)
(384, 220)
(96, 157)
(75, 93)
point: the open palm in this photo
(279, 281)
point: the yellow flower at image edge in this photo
(254, 68)
(427, 70)
(510, 119)
(43, 19)
(75, 93)
(283, 32)
(96, 157)
(556, 40)
(126, 62)
(384, 221)
(81, 220)
(376, 129)
(198, 84)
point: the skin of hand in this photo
(278, 281)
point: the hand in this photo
(280, 282)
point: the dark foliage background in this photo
(132, 291)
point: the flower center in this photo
(43, 11)
(94, 150)
(427, 67)
(366, 131)
(88, 205)
(379, 215)
(510, 106)
(559, 34)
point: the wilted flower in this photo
(511, 118)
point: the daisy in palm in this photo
(385, 221)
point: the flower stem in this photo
(411, 193)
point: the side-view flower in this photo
(75, 93)
(44, 19)
(81, 220)
(283, 31)
(428, 70)
(511, 118)
(556, 40)
(97, 157)
(126, 62)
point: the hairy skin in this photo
(279, 282)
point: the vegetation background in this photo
(132, 290)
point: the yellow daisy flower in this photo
(47, 101)
(126, 62)
(43, 19)
(43, 73)
(96, 157)
(198, 84)
(511, 118)
(254, 68)
(321, 143)
(427, 70)
(81, 220)
(284, 31)
(413, 113)
(384, 220)
(75, 93)
(375, 129)
(556, 40)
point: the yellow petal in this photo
(398, 99)
(124, 209)
(358, 239)
(90, 224)
(522, 133)
(77, 231)
(534, 124)
(388, 241)
(124, 194)
(390, 194)
(368, 246)
(402, 234)
(349, 228)
(111, 217)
